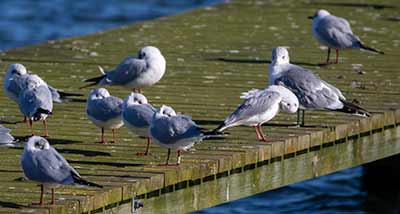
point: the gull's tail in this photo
(354, 109)
(39, 111)
(95, 80)
(81, 181)
(213, 134)
(367, 48)
(5, 136)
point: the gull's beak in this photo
(310, 17)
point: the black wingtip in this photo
(367, 48)
(66, 94)
(80, 181)
(354, 109)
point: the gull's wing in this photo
(311, 91)
(129, 69)
(105, 109)
(30, 100)
(173, 129)
(336, 31)
(253, 106)
(47, 166)
(14, 86)
(139, 115)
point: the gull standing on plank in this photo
(335, 32)
(43, 164)
(259, 107)
(35, 101)
(105, 111)
(15, 80)
(5, 137)
(134, 72)
(312, 92)
(175, 131)
(137, 114)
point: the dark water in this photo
(24, 22)
(373, 188)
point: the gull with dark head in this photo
(312, 92)
(35, 101)
(137, 114)
(335, 33)
(134, 73)
(259, 107)
(105, 111)
(43, 164)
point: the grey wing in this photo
(55, 95)
(253, 106)
(105, 109)
(311, 91)
(15, 86)
(139, 115)
(5, 136)
(32, 99)
(170, 130)
(129, 69)
(336, 31)
(48, 166)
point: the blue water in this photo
(356, 190)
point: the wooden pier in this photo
(213, 54)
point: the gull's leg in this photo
(113, 136)
(31, 126)
(300, 117)
(263, 137)
(178, 157)
(146, 153)
(167, 162)
(337, 56)
(46, 132)
(327, 58)
(25, 119)
(257, 133)
(41, 196)
(140, 90)
(103, 140)
(52, 197)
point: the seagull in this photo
(105, 111)
(335, 32)
(137, 114)
(259, 107)
(5, 137)
(175, 131)
(35, 101)
(312, 92)
(134, 72)
(43, 164)
(16, 78)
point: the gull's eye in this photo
(283, 57)
(288, 104)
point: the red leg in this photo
(52, 196)
(25, 119)
(337, 56)
(327, 58)
(103, 140)
(263, 138)
(46, 132)
(41, 196)
(146, 153)
(178, 157)
(113, 136)
(167, 162)
(31, 126)
(257, 133)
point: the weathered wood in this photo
(213, 54)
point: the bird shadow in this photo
(361, 5)
(52, 141)
(11, 205)
(84, 152)
(11, 122)
(77, 100)
(114, 164)
(256, 61)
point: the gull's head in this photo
(16, 69)
(34, 81)
(166, 111)
(99, 93)
(149, 52)
(320, 14)
(36, 143)
(136, 99)
(289, 102)
(280, 56)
